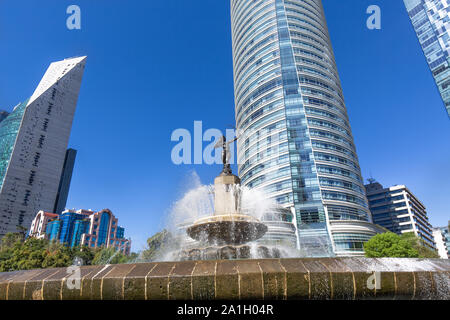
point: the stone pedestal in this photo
(226, 194)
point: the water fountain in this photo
(223, 238)
(227, 232)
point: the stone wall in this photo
(326, 278)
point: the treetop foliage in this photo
(31, 253)
(392, 245)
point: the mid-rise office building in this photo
(33, 145)
(81, 228)
(431, 22)
(295, 139)
(442, 240)
(39, 224)
(398, 210)
(446, 233)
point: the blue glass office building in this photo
(80, 227)
(431, 22)
(53, 228)
(68, 228)
(70, 220)
(9, 128)
(296, 142)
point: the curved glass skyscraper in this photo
(296, 140)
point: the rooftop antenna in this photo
(371, 179)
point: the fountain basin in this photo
(234, 229)
(229, 252)
(315, 279)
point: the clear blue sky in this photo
(155, 66)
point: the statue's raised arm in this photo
(222, 143)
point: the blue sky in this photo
(155, 66)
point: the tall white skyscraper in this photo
(33, 144)
(296, 142)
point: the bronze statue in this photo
(222, 143)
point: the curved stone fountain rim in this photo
(231, 217)
(315, 279)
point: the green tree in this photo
(85, 253)
(32, 253)
(155, 244)
(420, 246)
(109, 256)
(133, 257)
(22, 231)
(58, 256)
(19, 254)
(24, 255)
(9, 240)
(389, 245)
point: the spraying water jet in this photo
(226, 233)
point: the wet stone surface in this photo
(325, 278)
(228, 252)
